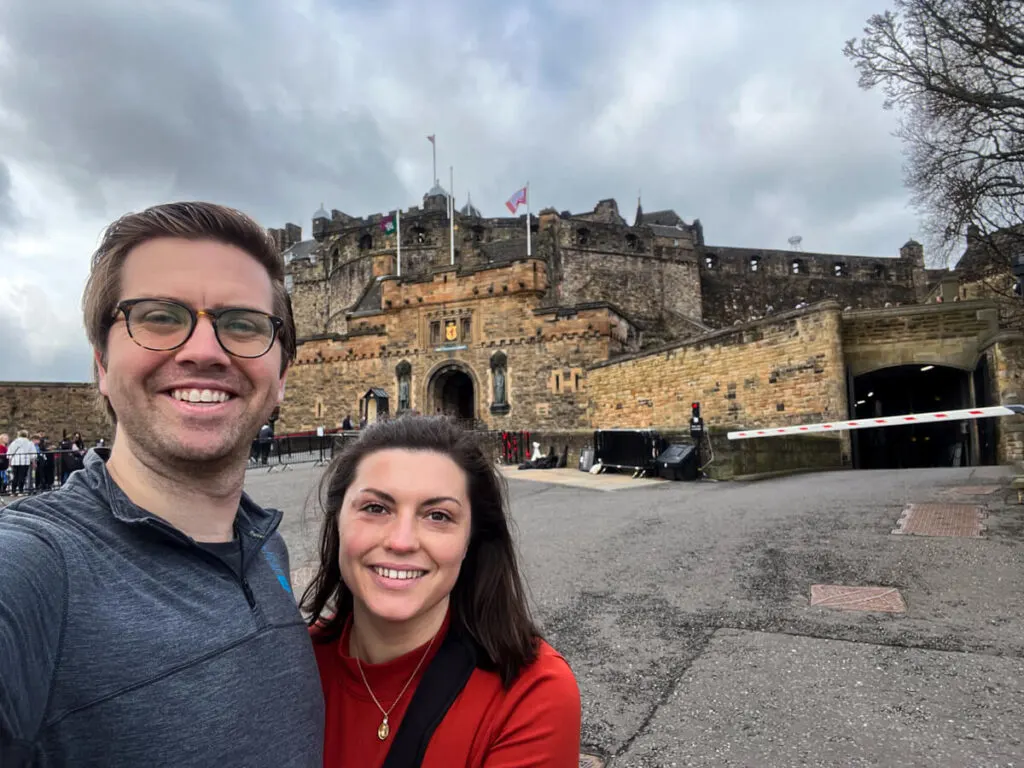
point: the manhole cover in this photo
(591, 761)
(941, 520)
(843, 598)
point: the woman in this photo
(418, 577)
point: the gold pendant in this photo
(383, 730)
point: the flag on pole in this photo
(387, 225)
(431, 138)
(519, 198)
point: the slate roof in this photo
(663, 218)
(301, 250)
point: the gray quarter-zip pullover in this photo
(125, 643)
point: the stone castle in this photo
(598, 322)
(592, 288)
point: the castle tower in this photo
(320, 221)
(912, 253)
(436, 199)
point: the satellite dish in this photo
(795, 242)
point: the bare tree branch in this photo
(955, 71)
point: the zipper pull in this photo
(248, 594)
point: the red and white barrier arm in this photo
(883, 421)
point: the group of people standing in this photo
(30, 464)
(146, 607)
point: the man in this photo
(266, 437)
(146, 616)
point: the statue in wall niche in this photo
(403, 393)
(499, 385)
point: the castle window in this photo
(797, 267)
(839, 268)
(435, 333)
(755, 263)
(419, 235)
(558, 383)
(478, 233)
(365, 242)
(466, 328)
(710, 261)
(583, 237)
(633, 242)
(881, 273)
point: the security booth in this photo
(373, 406)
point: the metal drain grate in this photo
(962, 520)
(844, 598)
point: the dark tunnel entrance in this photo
(912, 389)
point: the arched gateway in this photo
(451, 390)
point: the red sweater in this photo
(534, 724)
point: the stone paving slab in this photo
(765, 699)
(607, 481)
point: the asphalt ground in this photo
(684, 611)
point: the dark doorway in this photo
(912, 389)
(986, 427)
(453, 395)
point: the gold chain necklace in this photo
(383, 730)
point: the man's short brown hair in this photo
(188, 221)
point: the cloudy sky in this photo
(743, 113)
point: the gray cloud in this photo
(8, 212)
(183, 101)
(743, 114)
(41, 335)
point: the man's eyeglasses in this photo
(161, 325)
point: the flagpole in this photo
(398, 235)
(529, 250)
(452, 207)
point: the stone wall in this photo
(52, 409)
(1007, 368)
(940, 334)
(732, 291)
(311, 296)
(787, 369)
(603, 262)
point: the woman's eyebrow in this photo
(391, 499)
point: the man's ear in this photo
(100, 372)
(281, 386)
